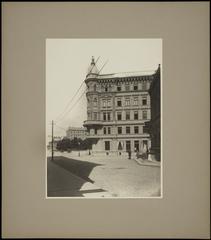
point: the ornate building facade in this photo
(118, 105)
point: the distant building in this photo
(76, 132)
(118, 105)
(154, 124)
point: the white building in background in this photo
(118, 105)
(76, 132)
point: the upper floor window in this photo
(127, 101)
(144, 101)
(104, 116)
(127, 87)
(104, 130)
(144, 114)
(95, 116)
(109, 130)
(136, 129)
(119, 102)
(109, 116)
(94, 88)
(135, 101)
(95, 102)
(136, 115)
(109, 103)
(127, 115)
(106, 89)
(135, 87)
(95, 131)
(119, 88)
(119, 116)
(119, 129)
(127, 130)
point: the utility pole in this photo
(52, 141)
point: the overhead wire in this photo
(61, 116)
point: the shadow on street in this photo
(80, 168)
(60, 184)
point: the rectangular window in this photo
(89, 116)
(136, 145)
(104, 116)
(107, 145)
(144, 114)
(109, 103)
(119, 130)
(136, 129)
(127, 102)
(109, 116)
(119, 88)
(127, 130)
(144, 101)
(106, 89)
(104, 130)
(135, 87)
(119, 102)
(119, 116)
(136, 115)
(128, 146)
(109, 130)
(95, 131)
(127, 87)
(127, 115)
(95, 116)
(104, 103)
(135, 101)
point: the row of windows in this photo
(128, 130)
(119, 88)
(128, 102)
(119, 116)
(127, 145)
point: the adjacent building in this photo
(76, 132)
(118, 105)
(154, 124)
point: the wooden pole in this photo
(52, 142)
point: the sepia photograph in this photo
(104, 118)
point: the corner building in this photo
(118, 105)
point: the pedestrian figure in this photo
(129, 154)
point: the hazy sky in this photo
(67, 61)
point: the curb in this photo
(147, 164)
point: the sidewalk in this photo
(63, 183)
(147, 162)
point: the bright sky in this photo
(67, 61)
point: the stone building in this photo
(154, 123)
(76, 132)
(118, 105)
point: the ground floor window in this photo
(107, 145)
(128, 146)
(136, 145)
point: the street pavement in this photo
(102, 176)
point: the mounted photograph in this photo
(104, 118)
